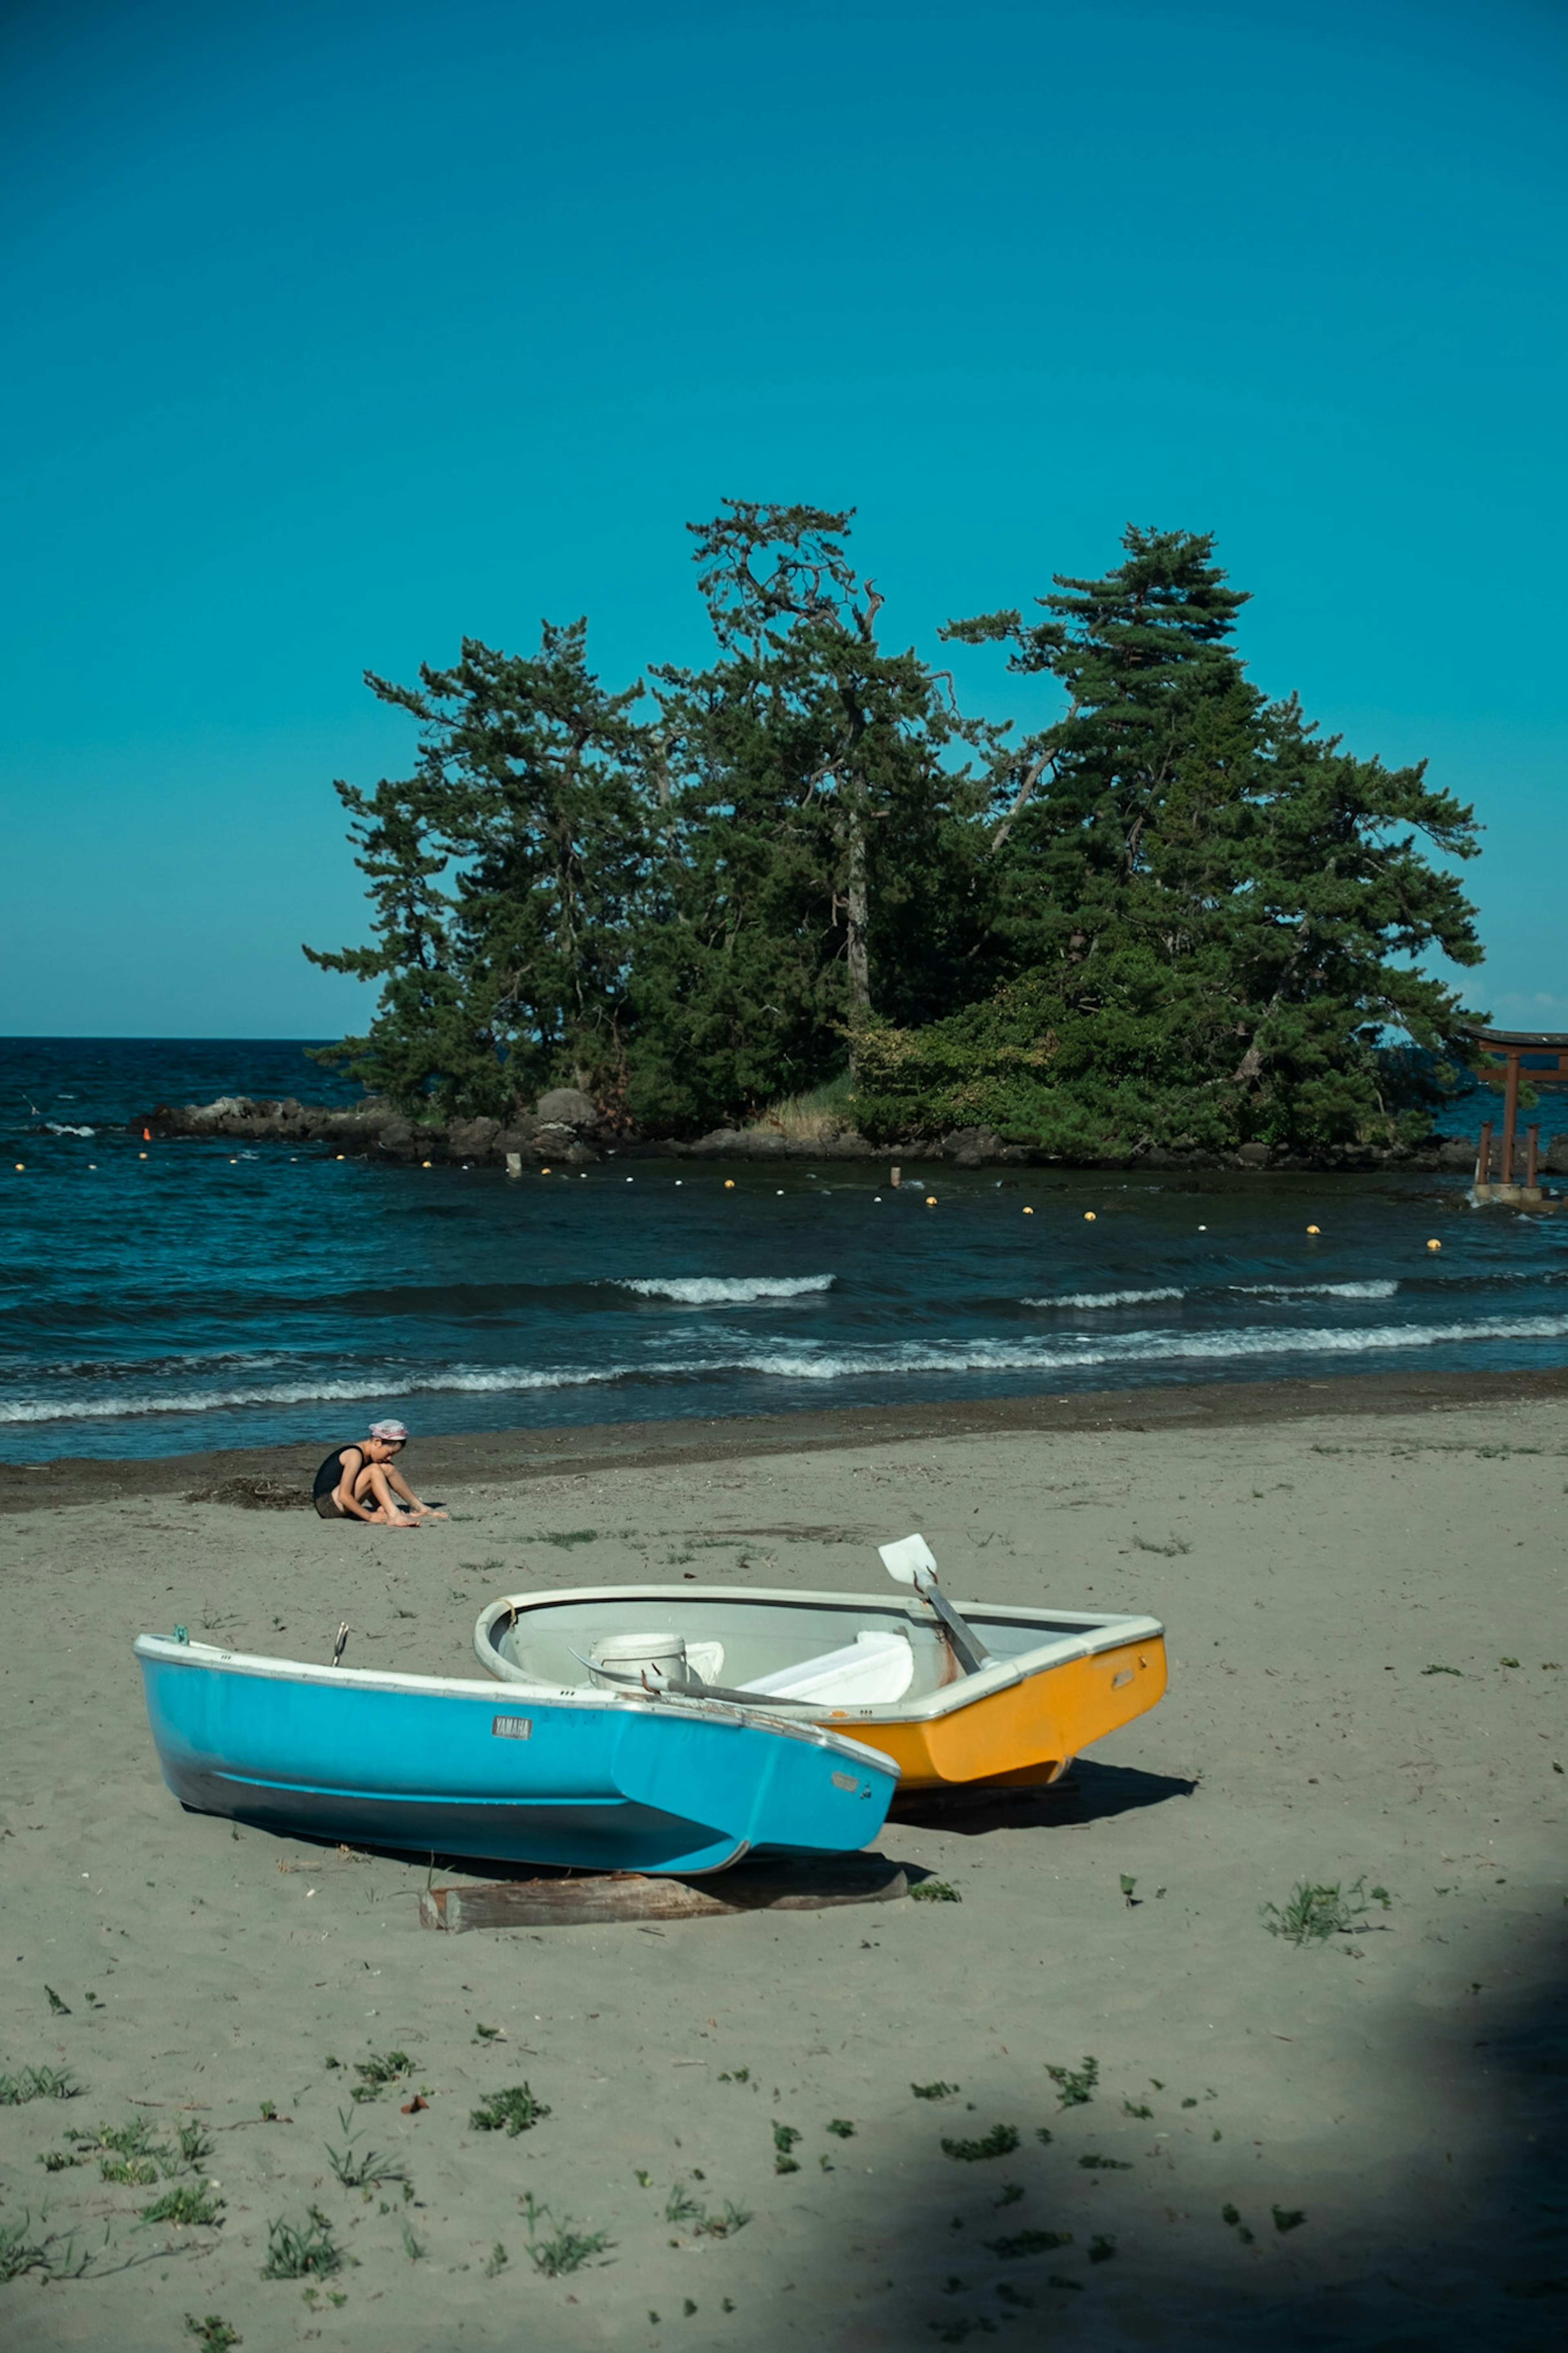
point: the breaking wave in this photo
(1106, 1298)
(724, 1289)
(1316, 1290)
(825, 1363)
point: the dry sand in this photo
(1398, 2089)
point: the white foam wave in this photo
(112, 1409)
(724, 1289)
(62, 1127)
(825, 1365)
(1106, 1298)
(1316, 1290)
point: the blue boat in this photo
(647, 1779)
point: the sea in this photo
(161, 1296)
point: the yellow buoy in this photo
(1434, 1245)
(233, 1164)
(1028, 1213)
(930, 1200)
(1089, 1217)
(22, 1164)
(140, 1156)
(1312, 1229)
(424, 1164)
(729, 1184)
(543, 1172)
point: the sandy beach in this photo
(1368, 1657)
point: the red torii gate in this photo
(1548, 1050)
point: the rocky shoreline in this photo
(567, 1129)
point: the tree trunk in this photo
(856, 908)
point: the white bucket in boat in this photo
(661, 1658)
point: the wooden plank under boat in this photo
(883, 1667)
(589, 1778)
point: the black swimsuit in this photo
(330, 1475)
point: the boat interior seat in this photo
(874, 1670)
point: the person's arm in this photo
(351, 1462)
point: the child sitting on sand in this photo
(360, 1482)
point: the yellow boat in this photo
(960, 1696)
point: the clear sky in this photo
(335, 330)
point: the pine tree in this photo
(819, 854)
(1207, 911)
(506, 875)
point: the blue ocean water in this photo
(161, 1296)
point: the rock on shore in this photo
(567, 1129)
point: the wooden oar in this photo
(911, 1561)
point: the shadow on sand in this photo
(1090, 1793)
(1465, 2246)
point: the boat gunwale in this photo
(1094, 1633)
(684, 1706)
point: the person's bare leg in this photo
(371, 1486)
(395, 1479)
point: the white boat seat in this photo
(872, 1671)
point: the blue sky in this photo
(338, 330)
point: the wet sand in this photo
(1316, 1554)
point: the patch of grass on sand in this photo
(935, 1891)
(567, 2249)
(219, 2334)
(1075, 2085)
(1312, 1915)
(383, 2067)
(189, 2204)
(513, 2111)
(49, 2255)
(937, 2091)
(362, 2168)
(691, 2214)
(1028, 2242)
(37, 2084)
(1000, 2141)
(305, 2250)
(135, 2157)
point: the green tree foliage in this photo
(821, 858)
(506, 875)
(1178, 915)
(1209, 910)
